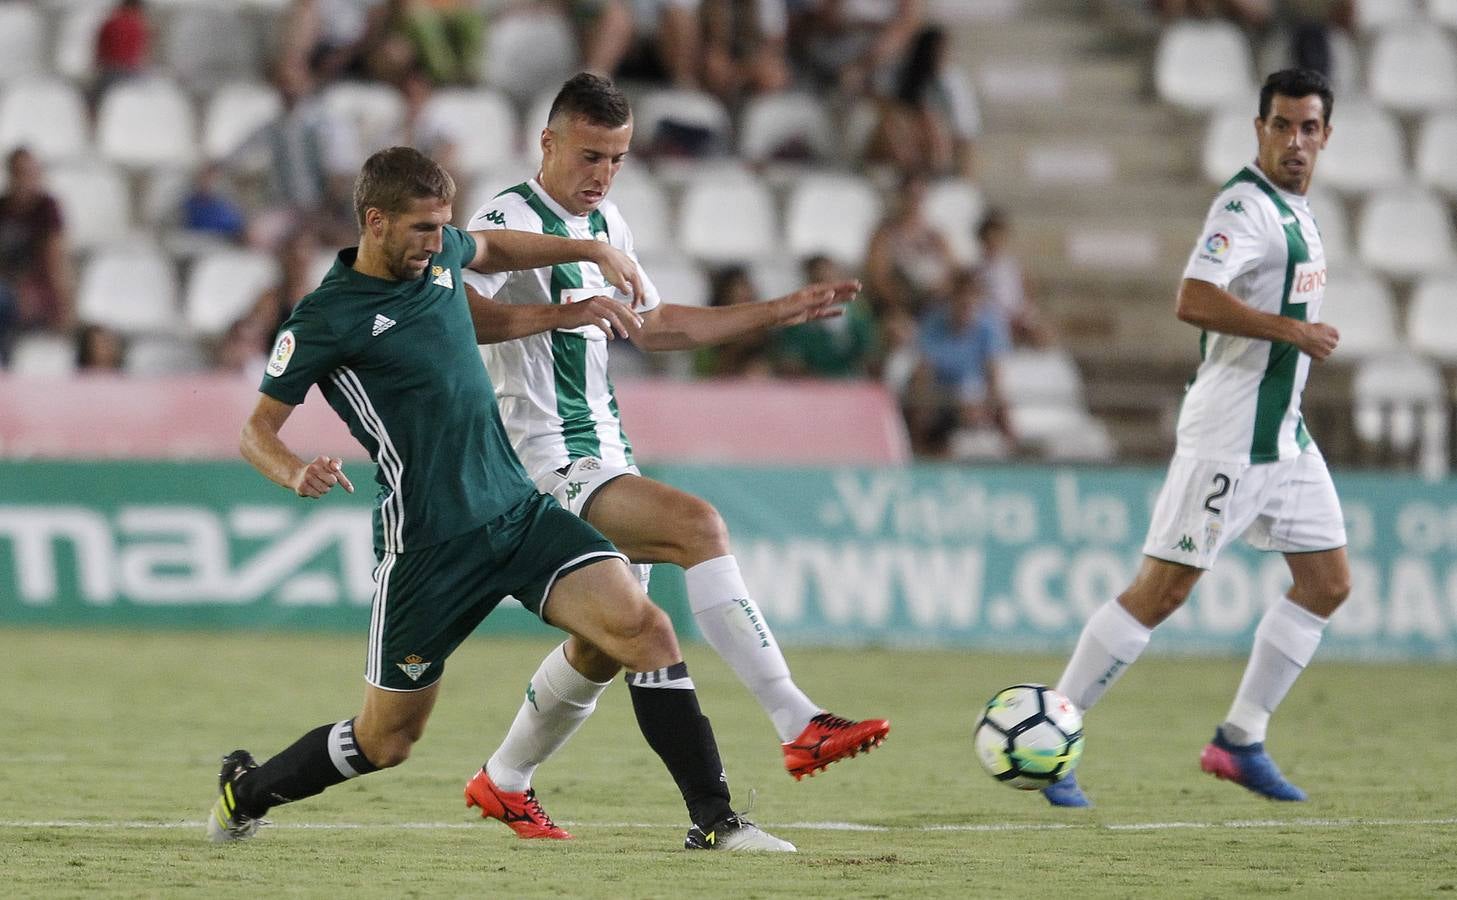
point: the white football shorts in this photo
(573, 486)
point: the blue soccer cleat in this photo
(1067, 793)
(1250, 766)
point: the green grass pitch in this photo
(110, 741)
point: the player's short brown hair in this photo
(391, 179)
(593, 98)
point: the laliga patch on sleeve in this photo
(1215, 247)
(282, 353)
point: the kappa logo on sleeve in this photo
(282, 353)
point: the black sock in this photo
(320, 759)
(668, 715)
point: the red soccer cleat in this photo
(520, 810)
(828, 738)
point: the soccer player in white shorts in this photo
(547, 355)
(1244, 465)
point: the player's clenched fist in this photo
(315, 479)
(1318, 340)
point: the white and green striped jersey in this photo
(553, 390)
(1261, 244)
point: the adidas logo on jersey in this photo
(442, 277)
(381, 325)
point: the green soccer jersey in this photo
(397, 361)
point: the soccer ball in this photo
(1029, 736)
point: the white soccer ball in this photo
(1029, 736)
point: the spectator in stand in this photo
(837, 347)
(445, 34)
(249, 340)
(929, 121)
(209, 207)
(422, 130)
(1251, 14)
(604, 30)
(99, 349)
(35, 267)
(854, 45)
(1008, 290)
(744, 50)
(748, 355)
(123, 45)
(342, 39)
(908, 262)
(955, 389)
(666, 43)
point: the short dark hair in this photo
(393, 178)
(593, 98)
(1298, 83)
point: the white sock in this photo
(1285, 641)
(558, 700)
(1109, 644)
(732, 624)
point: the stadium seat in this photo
(170, 355)
(697, 110)
(46, 115)
(776, 275)
(22, 35)
(1043, 391)
(95, 203)
(1400, 405)
(1345, 74)
(1366, 151)
(131, 289)
(536, 114)
(1202, 65)
(645, 206)
(147, 123)
(1372, 15)
(222, 286)
(525, 50)
(75, 54)
(480, 122)
(727, 219)
(791, 125)
(1406, 233)
(1436, 164)
(234, 113)
(372, 110)
(43, 355)
(207, 45)
(678, 280)
(1334, 224)
(1229, 141)
(322, 262)
(1360, 305)
(1413, 69)
(1443, 12)
(832, 214)
(955, 207)
(1431, 324)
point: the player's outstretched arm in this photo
(1212, 308)
(674, 327)
(262, 447)
(506, 250)
(496, 322)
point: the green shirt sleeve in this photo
(458, 247)
(304, 353)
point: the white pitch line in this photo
(805, 826)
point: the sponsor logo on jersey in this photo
(1186, 544)
(282, 353)
(442, 277)
(1234, 206)
(413, 666)
(1309, 282)
(496, 217)
(1215, 246)
(381, 325)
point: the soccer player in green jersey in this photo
(388, 338)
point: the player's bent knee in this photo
(707, 535)
(648, 641)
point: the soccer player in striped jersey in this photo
(560, 412)
(389, 340)
(1245, 465)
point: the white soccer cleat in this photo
(734, 832)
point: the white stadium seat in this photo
(46, 115)
(43, 354)
(1366, 151)
(1443, 12)
(955, 207)
(95, 203)
(1372, 15)
(833, 215)
(1406, 233)
(793, 121)
(235, 112)
(1043, 391)
(147, 123)
(1334, 223)
(75, 55)
(133, 290)
(1414, 69)
(1276, 53)
(1436, 163)
(481, 124)
(222, 286)
(536, 114)
(372, 111)
(1360, 306)
(1431, 324)
(209, 45)
(1203, 65)
(1229, 141)
(22, 35)
(697, 109)
(167, 355)
(678, 280)
(1399, 401)
(725, 220)
(645, 206)
(524, 50)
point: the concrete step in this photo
(1117, 200)
(1056, 162)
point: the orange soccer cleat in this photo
(520, 810)
(828, 738)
